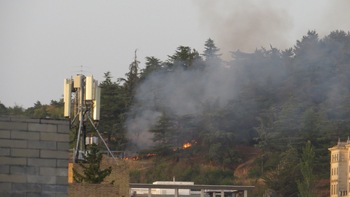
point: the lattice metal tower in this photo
(82, 103)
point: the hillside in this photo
(247, 120)
(195, 169)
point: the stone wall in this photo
(33, 157)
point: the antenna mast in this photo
(82, 102)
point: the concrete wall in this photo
(33, 157)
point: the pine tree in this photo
(211, 52)
(91, 170)
(307, 184)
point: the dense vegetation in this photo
(290, 105)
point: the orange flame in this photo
(131, 158)
(135, 158)
(187, 145)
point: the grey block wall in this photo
(33, 157)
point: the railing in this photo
(202, 188)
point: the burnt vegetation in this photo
(255, 112)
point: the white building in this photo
(172, 191)
(340, 169)
(162, 191)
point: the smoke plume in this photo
(177, 92)
(235, 25)
(245, 25)
(250, 24)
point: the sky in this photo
(42, 42)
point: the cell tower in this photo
(82, 103)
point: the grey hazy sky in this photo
(42, 42)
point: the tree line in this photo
(275, 100)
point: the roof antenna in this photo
(81, 69)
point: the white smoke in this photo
(250, 24)
(138, 127)
(177, 92)
(245, 25)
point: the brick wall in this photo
(120, 175)
(33, 157)
(116, 184)
(93, 190)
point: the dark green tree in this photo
(16, 111)
(39, 110)
(306, 186)
(3, 109)
(283, 179)
(91, 168)
(184, 57)
(152, 64)
(211, 52)
(311, 124)
(114, 105)
(132, 79)
(164, 135)
(55, 109)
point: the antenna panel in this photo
(89, 88)
(96, 112)
(91, 140)
(67, 97)
(95, 85)
(78, 81)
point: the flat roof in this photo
(195, 187)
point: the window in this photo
(331, 189)
(335, 188)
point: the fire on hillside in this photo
(185, 145)
(138, 157)
(150, 155)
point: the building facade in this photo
(340, 169)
